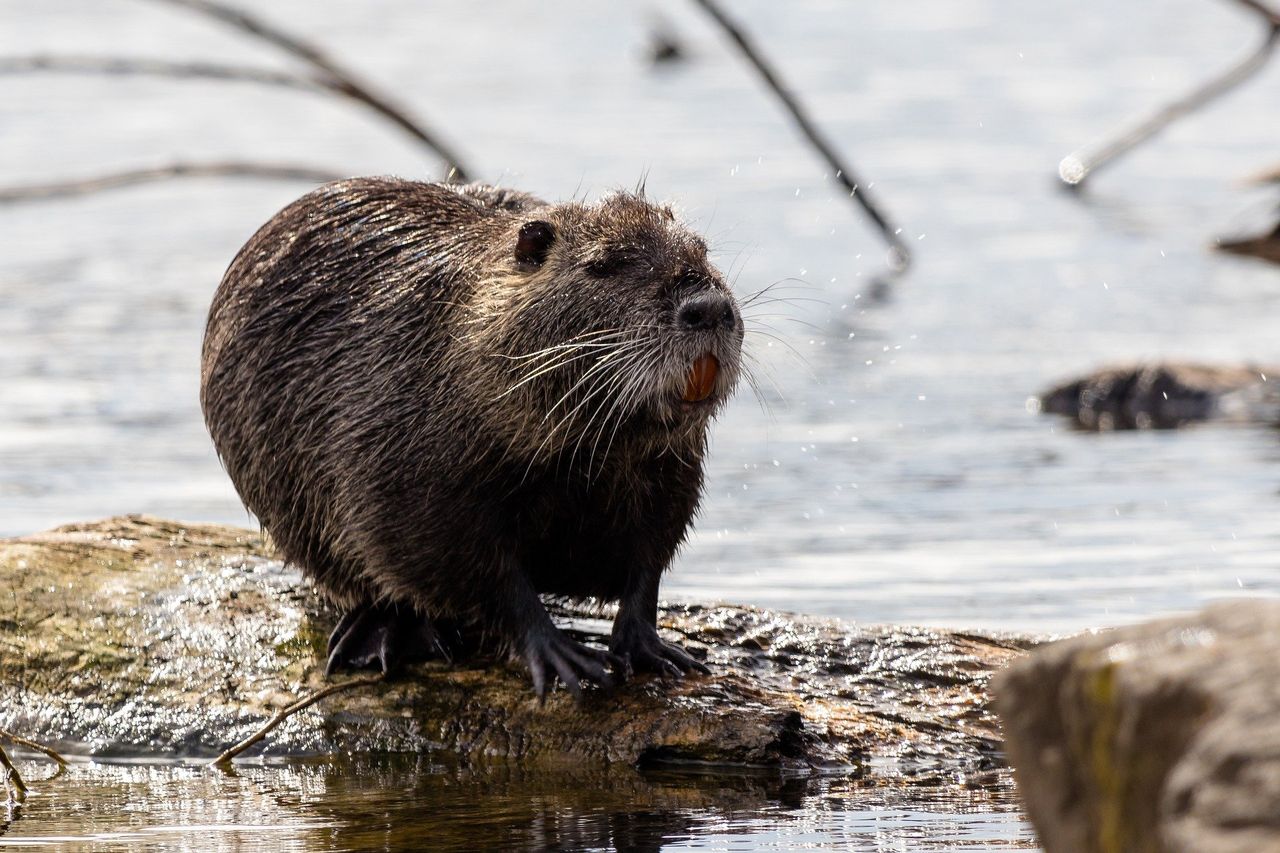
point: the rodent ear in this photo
(534, 242)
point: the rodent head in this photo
(609, 317)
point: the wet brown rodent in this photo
(443, 401)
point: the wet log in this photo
(140, 636)
(1166, 395)
(1157, 737)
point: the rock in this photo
(1156, 737)
(1166, 395)
(140, 636)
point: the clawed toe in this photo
(551, 655)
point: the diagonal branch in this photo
(224, 760)
(900, 254)
(122, 66)
(1079, 165)
(12, 776)
(116, 180)
(46, 751)
(335, 76)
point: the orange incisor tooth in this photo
(702, 378)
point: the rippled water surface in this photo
(407, 803)
(897, 476)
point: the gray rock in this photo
(1156, 737)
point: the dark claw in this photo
(539, 680)
(381, 637)
(567, 676)
(552, 654)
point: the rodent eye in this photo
(689, 277)
(534, 242)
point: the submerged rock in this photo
(1156, 737)
(1166, 395)
(140, 636)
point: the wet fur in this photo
(412, 412)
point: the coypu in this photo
(444, 401)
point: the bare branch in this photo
(121, 66)
(340, 79)
(900, 254)
(284, 714)
(12, 776)
(32, 745)
(1079, 165)
(131, 177)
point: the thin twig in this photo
(285, 713)
(48, 752)
(11, 774)
(1079, 165)
(900, 254)
(340, 79)
(136, 67)
(115, 180)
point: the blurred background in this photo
(894, 471)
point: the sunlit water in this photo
(899, 476)
(409, 803)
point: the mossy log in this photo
(140, 636)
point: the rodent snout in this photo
(712, 310)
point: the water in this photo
(409, 803)
(899, 476)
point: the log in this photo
(1166, 395)
(138, 636)
(1156, 738)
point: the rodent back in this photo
(333, 322)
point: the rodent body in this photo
(443, 401)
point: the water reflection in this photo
(412, 802)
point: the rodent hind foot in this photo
(383, 637)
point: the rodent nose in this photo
(706, 311)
